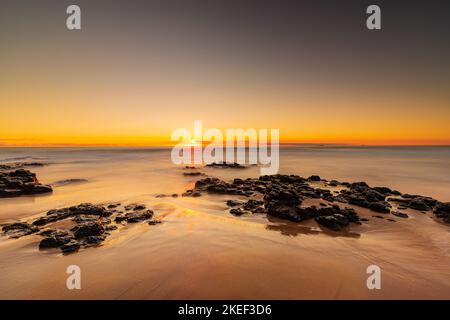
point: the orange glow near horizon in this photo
(122, 83)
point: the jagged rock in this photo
(422, 203)
(55, 241)
(70, 246)
(251, 205)
(335, 222)
(191, 193)
(333, 183)
(233, 165)
(386, 191)
(234, 203)
(85, 218)
(442, 209)
(113, 205)
(91, 228)
(21, 182)
(94, 240)
(373, 196)
(381, 206)
(237, 211)
(139, 216)
(194, 174)
(84, 209)
(358, 201)
(399, 214)
(19, 229)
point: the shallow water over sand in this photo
(201, 251)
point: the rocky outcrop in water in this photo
(282, 196)
(21, 182)
(90, 225)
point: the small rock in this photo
(399, 214)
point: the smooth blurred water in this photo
(202, 251)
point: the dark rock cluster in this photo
(232, 165)
(283, 196)
(20, 182)
(93, 224)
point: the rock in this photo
(139, 207)
(92, 228)
(84, 209)
(94, 240)
(381, 206)
(358, 201)
(194, 174)
(191, 193)
(234, 203)
(70, 246)
(233, 165)
(251, 205)
(110, 228)
(154, 222)
(113, 205)
(442, 210)
(55, 241)
(21, 182)
(419, 203)
(335, 222)
(120, 218)
(85, 218)
(333, 183)
(19, 229)
(237, 212)
(54, 233)
(373, 196)
(399, 214)
(66, 182)
(314, 178)
(386, 191)
(139, 216)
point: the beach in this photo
(201, 251)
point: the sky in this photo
(138, 70)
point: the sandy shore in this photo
(201, 251)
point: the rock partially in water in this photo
(84, 209)
(66, 182)
(335, 222)
(193, 174)
(233, 165)
(71, 246)
(380, 206)
(234, 203)
(139, 216)
(133, 217)
(442, 210)
(21, 182)
(399, 214)
(55, 241)
(19, 229)
(89, 228)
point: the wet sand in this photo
(200, 251)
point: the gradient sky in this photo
(140, 69)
